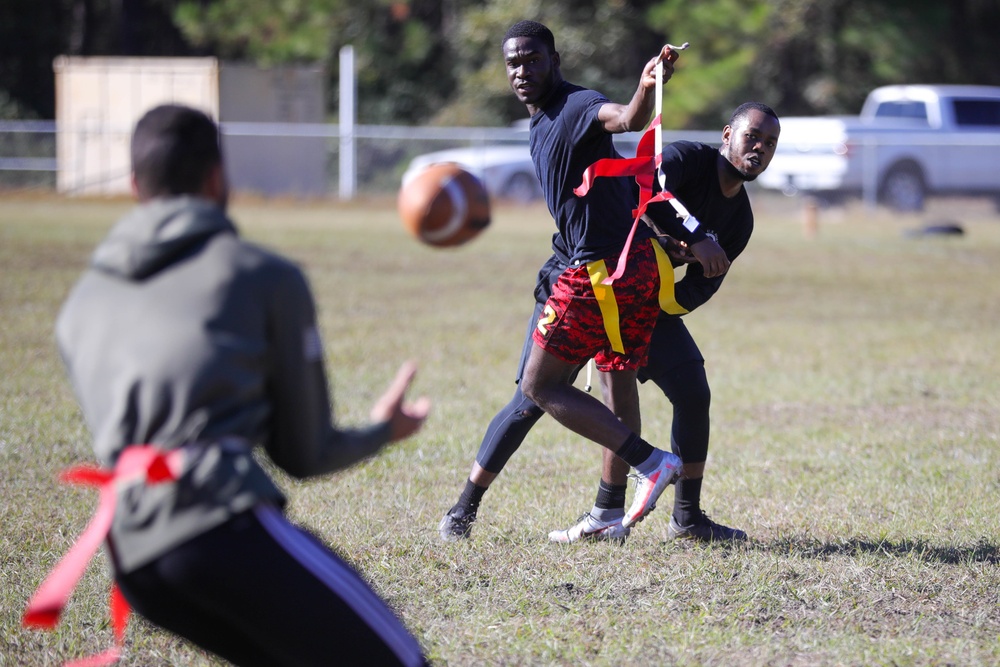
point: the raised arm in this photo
(303, 439)
(635, 115)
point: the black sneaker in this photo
(704, 530)
(455, 527)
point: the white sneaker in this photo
(649, 487)
(589, 528)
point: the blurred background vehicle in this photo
(506, 170)
(908, 143)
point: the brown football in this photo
(444, 205)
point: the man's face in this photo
(531, 69)
(750, 144)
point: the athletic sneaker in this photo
(704, 530)
(455, 527)
(649, 487)
(589, 528)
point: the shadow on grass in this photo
(980, 552)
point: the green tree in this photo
(823, 56)
(403, 68)
(726, 37)
(266, 32)
(438, 61)
(34, 32)
(603, 45)
(807, 57)
(406, 70)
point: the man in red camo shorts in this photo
(570, 129)
(586, 319)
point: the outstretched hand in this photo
(404, 418)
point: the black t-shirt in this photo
(566, 138)
(691, 171)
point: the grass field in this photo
(856, 437)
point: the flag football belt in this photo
(643, 167)
(136, 462)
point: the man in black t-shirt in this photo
(583, 317)
(709, 182)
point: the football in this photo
(444, 205)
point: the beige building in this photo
(98, 101)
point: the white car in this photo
(506, 170)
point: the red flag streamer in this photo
(51, 598)
(643, 167)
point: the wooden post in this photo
(810, 218)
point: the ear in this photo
(215, 186)
(727, 133)
(135, 185)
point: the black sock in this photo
(687, 501)
(468, 502)
(610, 496)
(634, 450)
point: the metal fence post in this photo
(348, 114)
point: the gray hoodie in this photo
(181, 334)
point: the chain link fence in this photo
(307, 160)
(28, 154)
(380, 155)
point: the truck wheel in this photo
(903, 188)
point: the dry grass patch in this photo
(855, 436)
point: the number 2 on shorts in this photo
(547, 318)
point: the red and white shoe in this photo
(651, 486)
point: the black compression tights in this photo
(507, 431)
(685, 385)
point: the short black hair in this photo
(174, 147)
(745, 108)
(532, 29)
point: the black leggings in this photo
(675, 365)
(259, 590)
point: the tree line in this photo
(438, 61)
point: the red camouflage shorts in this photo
(612, 324)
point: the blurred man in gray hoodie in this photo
(183, 336)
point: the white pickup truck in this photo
(909, 142)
